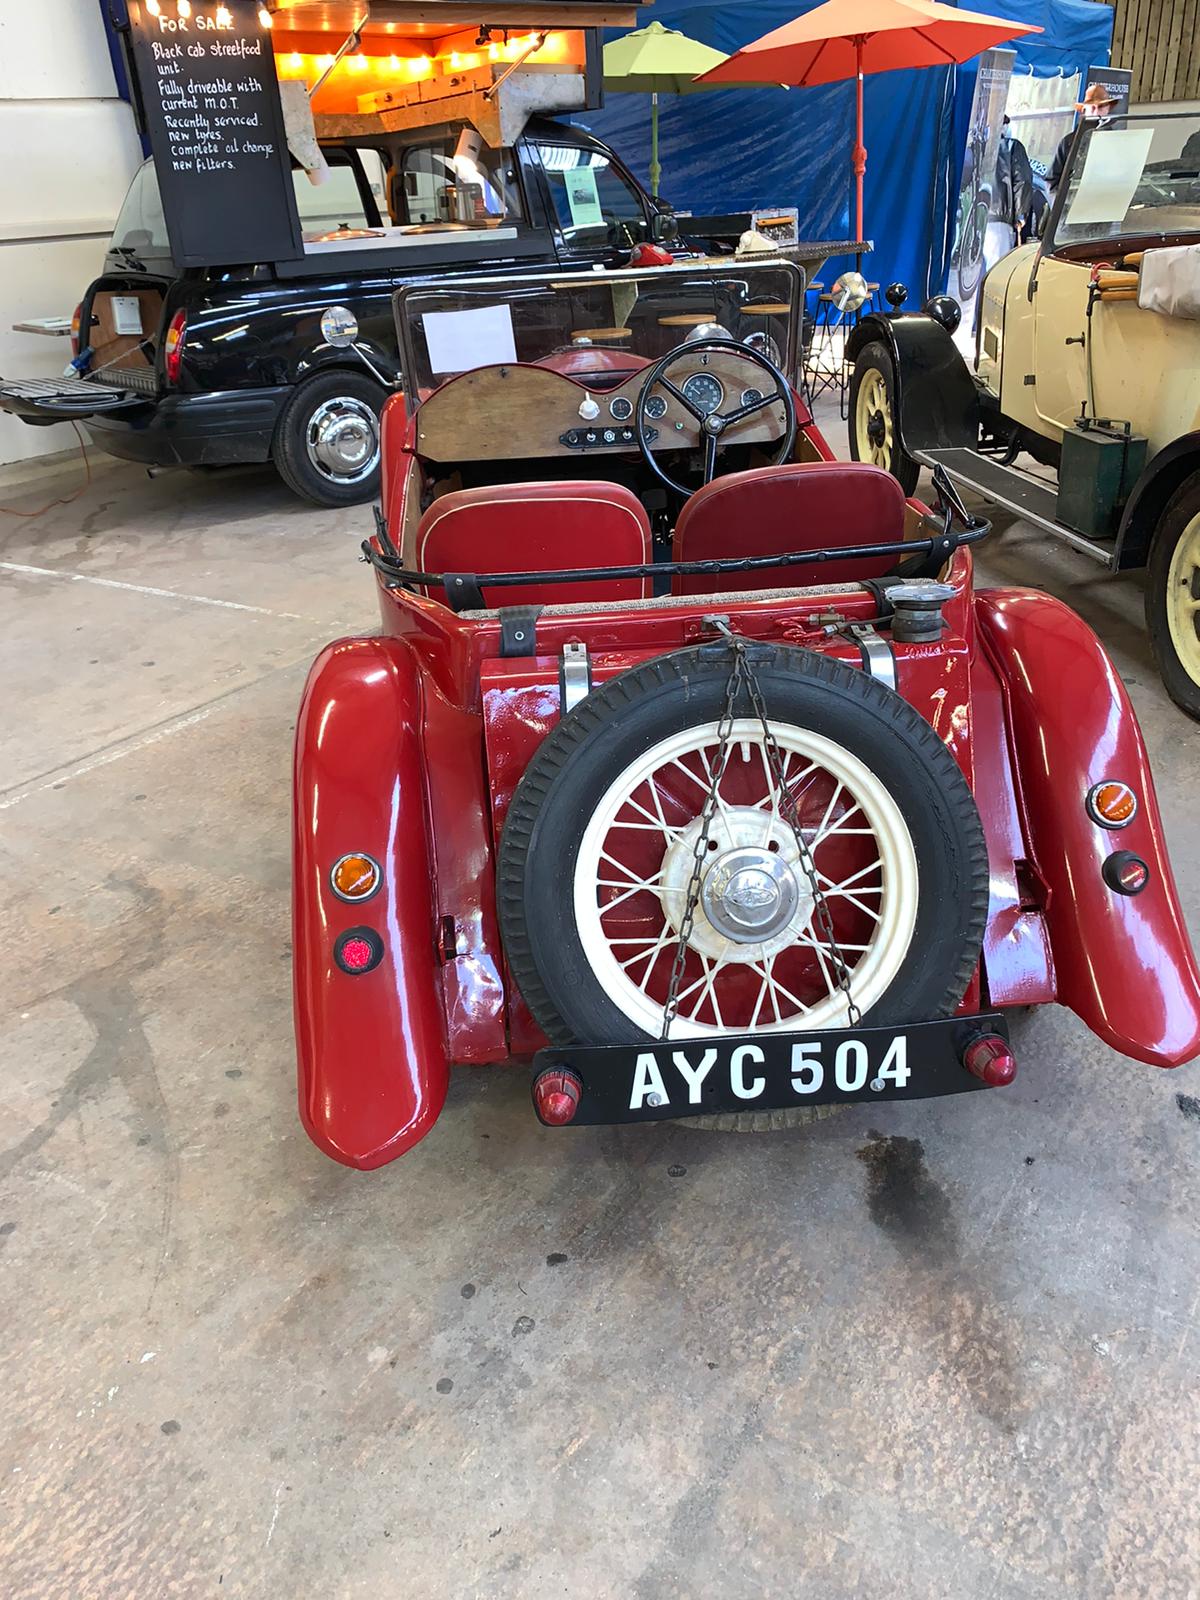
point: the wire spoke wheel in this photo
(756, 960)
(599, 845)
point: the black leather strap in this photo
(518, 630)
(463, 592)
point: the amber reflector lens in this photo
(1112, 804)
(355, 877)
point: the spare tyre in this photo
(600, 840)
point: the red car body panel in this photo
(409, 747)
(372, 1048)
(1124, 964)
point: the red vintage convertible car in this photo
(689, 765)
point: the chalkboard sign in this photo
(211, 98)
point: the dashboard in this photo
(506, 413)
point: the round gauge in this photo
(704, 391)
(620, 409)
(751, 397)
(656, 407)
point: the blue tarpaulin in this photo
(731, 149)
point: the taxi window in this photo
(141, 227)
(596, 205)
(459, 179)
(337, 203)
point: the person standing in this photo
(1097, 106)
(1014, 184)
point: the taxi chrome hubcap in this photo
(1183, 599)
(343, 440)
(873, 420)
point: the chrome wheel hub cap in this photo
(343, 440)
(754, 897)
(749, 894)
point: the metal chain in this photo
(743, 672)
(700, 848)
(788, 806)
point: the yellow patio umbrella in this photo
(657, 60)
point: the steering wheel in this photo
(713, 424)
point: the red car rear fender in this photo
(1124, 964)
(371, 1047)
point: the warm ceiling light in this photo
(355, 876)
(264, 17)
(394, 63)
(295, 61)
(324, 63)
(359, 63)
(493, 52)
(184, 7)
(455, 61)
(420, 65)
(152, 6)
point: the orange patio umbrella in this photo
(846, 38)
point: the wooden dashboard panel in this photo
(506, 413)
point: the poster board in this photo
(973, 230)
(215, 124)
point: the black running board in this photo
(1025, 496)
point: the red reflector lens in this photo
(358, 950)
(989, 1059)
(76, 324)
(1126, 873)
(556, 1096)
(356, 954)
(173, 346)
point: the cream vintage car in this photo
(1087, 359)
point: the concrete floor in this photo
(943, 1349)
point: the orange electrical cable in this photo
(11, 511)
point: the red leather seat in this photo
(539, 527)
(816, 505)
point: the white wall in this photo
(67, 151)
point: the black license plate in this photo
(769, 1072)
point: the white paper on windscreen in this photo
(583, 197)
(1111, 174)
(461, 340)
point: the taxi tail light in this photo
(989, 1058)
(173, 346)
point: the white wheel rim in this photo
(872, 399)
(1183, 598)
(847, 815)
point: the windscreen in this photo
(1131, 178)
(595, 326)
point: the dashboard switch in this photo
(588, 409)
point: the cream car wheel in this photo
(873, 421)
(1173, 596)
(1183, 598)
(874, 416)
